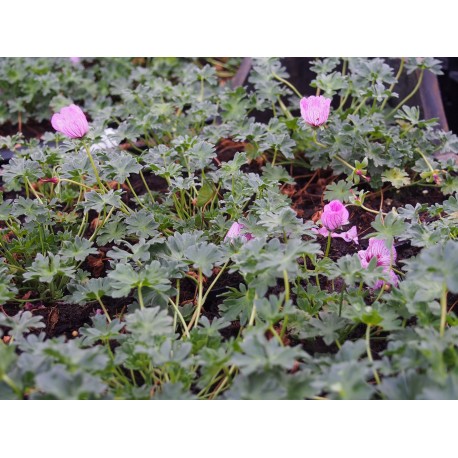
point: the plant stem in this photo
(12, 385)
(223, 383)
(97, 229)
(83, 225)
(196, 315)
(315, 139)
(275, 334)
(201, 89)
(33, 190)
(140, 296)
(375, 212)
(76, 182)
(103, 308)
(180, 316)
(341, 160)
(287, 294)
(147, 187)
(285, 110)
(414, 91)
(360, 105)
(177, 300)
(252, 316)
(94, 168)
(344, 162)
(420, 152)
(443, 310)
(341, 299)
(369, 352)
(213, 283)
(134, 193)
(398, 75)
(275, 157)
(279, 78)
(344, 99)
(344, 66)
(328, 245)
(379, 295)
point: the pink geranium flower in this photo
(385, 258)
(75, 60)
(71, 122)
(236, 230)
(315, 110)
(334, 215)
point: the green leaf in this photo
(45, 268)
(205, 256)
(327, 327)
(120, 166)
(21, 323)
(149, 323)
(60, 383)
(78, 249)
(338, 191)
(397, 177)
(97, 201)
(260, 355)
(237, 304)
(124, 278)
(142, 223)
(388, 228)
(206, 194)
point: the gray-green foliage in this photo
(200, 316)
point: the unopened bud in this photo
(54, 180)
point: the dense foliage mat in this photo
(167, 236)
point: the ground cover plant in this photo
(167, 235)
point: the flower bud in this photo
(236, 231)
(334, 215)
(53, 180)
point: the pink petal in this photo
(71, 121)
(234, 231)
(349, 236)
(334, 215)
(315, 110)
(321, 231)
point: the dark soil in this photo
(66, 319)
(32, 129)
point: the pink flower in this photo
(71, 122)
(236, 231)
(334, 215)
(75, 60)
(315, 110)
(349, 236)
(385, 258)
